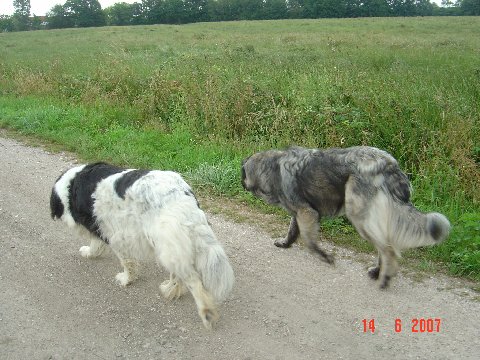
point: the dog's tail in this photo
(412, 228)
(407, 226)
(212, 263)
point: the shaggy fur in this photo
(363, 183)
(142, 214)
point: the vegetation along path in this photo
(286, 303)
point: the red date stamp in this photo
(416, 325)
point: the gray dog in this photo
(363, 183)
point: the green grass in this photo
(198, 98)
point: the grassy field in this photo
(198, 98)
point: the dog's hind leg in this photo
(205, 304)
(292, 235)
(374, 271)
(308, 224)
(96, 248)
(177, 256)
(173, 288)
(389, 266)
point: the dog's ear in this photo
(56, 205)
(245, 160)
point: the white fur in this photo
(158, 218)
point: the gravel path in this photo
(286, 303)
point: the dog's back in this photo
(319, 176)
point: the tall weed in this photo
(199, 97)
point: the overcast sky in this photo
(41, 7)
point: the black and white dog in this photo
(141, 214)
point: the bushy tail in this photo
(412, 228)
(213, 265)
(403, 224)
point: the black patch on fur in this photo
(56, 206)
(190, 193)
(435, 230)
(322, 183)
(397, 184)
(81, 188)
(128, 179)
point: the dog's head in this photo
(244, 174)
(261, 175)
(59, 198)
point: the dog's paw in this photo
(385, 282)
(123, 279)
(330, 259)
(374, 272)
(85, 251)
(209, 317)
(172, 290)
(167, 288)
(284, 243)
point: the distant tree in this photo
(374, 8)
(449, 8)
(173, 12)
(448, 3)
(36, 23)
(423, 8)
(85, 13)
(223, 10)
(152, 11)
(275, 9)
(404, 7)
(250, 9)
(469, 7)
(195, 10)
(296, 9)
(120, 14)
(6, 23)
(323, 9)
(352, 8)
(138, 15)
(59, 18)
(21, 15)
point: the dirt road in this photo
(286, 303)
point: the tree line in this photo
(89, 13)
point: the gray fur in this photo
(363, 183)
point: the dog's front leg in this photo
(308, 224)
(96, 248)
(130, 271)
(292, 235)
